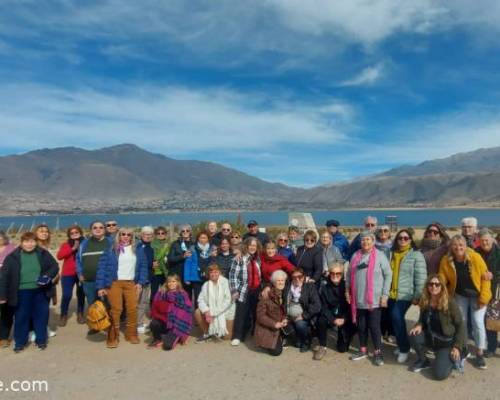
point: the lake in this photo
(417, 217)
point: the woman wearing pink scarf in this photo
(368, 282)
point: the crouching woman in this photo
(215, 313)
(440, 328)
(271, 316)
(171, 313)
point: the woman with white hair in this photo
(271, 316)
(368, 282)
(383, 240)
(215, 313)
(463, 272)
(490, 252)
(144, 301)
(121, 274)
(469, 232)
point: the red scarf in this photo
(253, 271)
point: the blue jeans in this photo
(397, 311)
(302, 332)
(477, 315)
(67, 284)
(32, 305)
(90, 291)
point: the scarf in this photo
(296, 292)
(430, 244)
(204, 250)
(397, 257)
(121, 247)
(253, 270)
(179, 318)
(219, 303)
(369, 289)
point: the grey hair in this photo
(469, 221)
(458, 238)
(5, 237)
(147, 229)
(486, 232)
(278, 274)
(185, 227)
(364, 234)
(335, 264)
(370, 217)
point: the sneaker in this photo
(379, 359)
(319, 353)
(419, 365)
(305, 348)
(92, 332)
(488, 354)
(359, 355)
(481, 362)
(32, 337)
(235, 342)
(396, 351)
(203, 338)
(51, 333)
(142, 329)
(42, 346)
(402, 358)
(18, 349)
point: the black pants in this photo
(193, 290)
(278, 349)
(344, 333)
(492, 338)
(157, 328)
(156, 282)
(369, 321)
(386, 323)
(245, 317)
(6, 320)
(442, 366)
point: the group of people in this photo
(290, 290)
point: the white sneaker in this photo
(402, 358)
(51, 333)
(32, 337)
(235, 342)
(396, 351)
(141, 329)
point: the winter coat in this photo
(309, 300)
(412, 276)
(433, 258)
(176, 257)
(331, 254)
(477, 268)
(271, 264)
(68, 255)
(10, 274)
(341, 242)
(311, 261)
(492, 260)
(333, 301)
(269, 312)
(224, 262)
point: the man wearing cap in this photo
(253, 231)
(338, 239)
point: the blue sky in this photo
(297, 91)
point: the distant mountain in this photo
(462, 179)
(482, 160)
(126, 173)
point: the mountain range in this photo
(128, 178)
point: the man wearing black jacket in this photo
(335, 312)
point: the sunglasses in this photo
(110, 225)
(384, 230)
(235, 237)
(369, 224)
(435, 284)
(335, 273)
(225, 230)
(309, 240)
(98, 227)
(185, 231)
(161, 233)
(404, 238)
(297, 276)
(125, 234)
(283, 240)
(435, 231)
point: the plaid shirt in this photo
(238, 276)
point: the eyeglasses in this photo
(185, 231)
(384, 230)
(434, 231)
(235, 237)
(309, 240)
(111, 224)
(126, 234)
(283, 240)
(297, 276)
(404, 238)
(161, 233)
(435, 284)
(97, 227)
(335, 273)
(226, 230)
(372, 225)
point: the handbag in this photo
(169, 340)
(493, 312)
(43, 281)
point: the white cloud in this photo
(366, 77)
(173, 120)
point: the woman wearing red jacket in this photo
(67, 253)
(272, 261)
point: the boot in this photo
(63, 320)
(131, 335)
(80, 318)
(113, 337)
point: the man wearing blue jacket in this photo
(338, 239)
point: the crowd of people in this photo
(284, 291)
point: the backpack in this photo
(98, 317)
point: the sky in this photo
(303, 92)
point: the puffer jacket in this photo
(269, 312)
(412, 276)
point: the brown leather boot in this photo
(80, 318)
(63, 320)
(131, 335)
(4, 343)
(113, 338)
